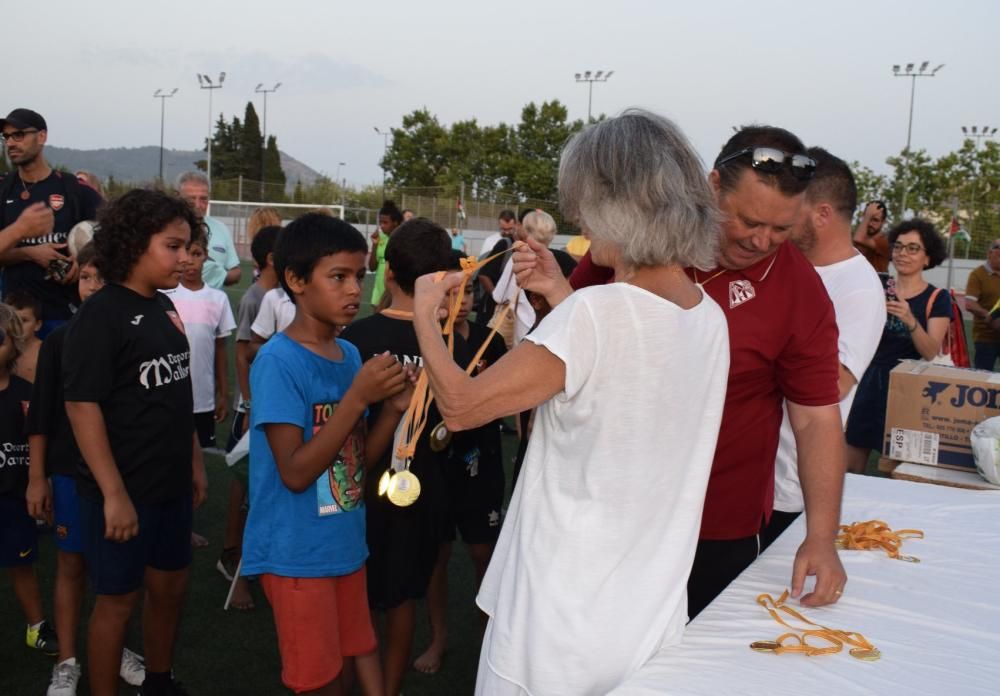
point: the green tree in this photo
(249, 144)
(533, 167)
(274, 175)
(871, 186)
(417, 154)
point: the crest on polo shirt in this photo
(56, 201)
(740, 291)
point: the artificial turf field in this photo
(233, 653)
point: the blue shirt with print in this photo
(321, 531)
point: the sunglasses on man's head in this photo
(770, 161)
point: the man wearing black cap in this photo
(47, 204)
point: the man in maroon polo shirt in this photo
(783, 343)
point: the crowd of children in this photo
(105, 422)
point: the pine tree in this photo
(249, 144)
(274, 175)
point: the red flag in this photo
(954, 226)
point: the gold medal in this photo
(383, 483)
(871, 655)
(765, 645)
(440, 437)
(404, 488)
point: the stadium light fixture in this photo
(590, 79)
(909, 128)
(163, 97)
(205, 82)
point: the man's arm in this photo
(233, 276)
(861, 235)
(373, 255)
(199, 479)
(120, 520)
(819, 440)
(845, 382)
(34, 221)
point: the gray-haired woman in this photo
(588, 578)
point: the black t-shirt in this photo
(897, 342)
(47, 415)
(58, 301)
(128, 353)
(13, 440)
(567, 264)
(376, 334)
(487, 437)
(494, 269)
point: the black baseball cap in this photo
(24, 118)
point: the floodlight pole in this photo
(922, 72)
(163, 96)
(973, 133)
(342, 185)
(206, 83)
(599, 76)
(260, 89)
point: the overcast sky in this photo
(824, 72)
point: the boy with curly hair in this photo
(126, 373)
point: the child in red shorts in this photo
(305, 533)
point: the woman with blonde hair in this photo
(261, 218)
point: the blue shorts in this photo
(66, 514)
(163, 543)
(18, 533)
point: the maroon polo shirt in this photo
(783, 345)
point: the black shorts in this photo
(474, 488)
(402, 541)
(204, 424)
(18, 533)
(163, 543)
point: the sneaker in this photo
(133, 668)
(228, 562)
(43, 638)
(65, 676)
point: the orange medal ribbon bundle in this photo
(798, 639)
(876, 534)
(399, 483)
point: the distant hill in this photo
(138, 164)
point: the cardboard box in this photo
(932, 410)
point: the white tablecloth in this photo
(937, 622)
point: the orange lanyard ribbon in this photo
(876, 534)
(797, 640)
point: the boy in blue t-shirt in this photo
(305, 533)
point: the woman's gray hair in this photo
(634, 181)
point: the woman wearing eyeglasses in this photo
(913, 331)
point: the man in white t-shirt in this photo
(222, 267)
(507, 222)
(858, 300)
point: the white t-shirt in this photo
(507, 290)
(859, 302)
(589, 576)
(488, 244)
(207, 316)
(275, 314)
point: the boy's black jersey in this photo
(47, 415)
(128, 353)
(13, 439)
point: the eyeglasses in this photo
(994, 247)
(911, 249)
(770, 161)
(18, 135)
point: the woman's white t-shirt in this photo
(589, 576)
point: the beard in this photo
(805, 237)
